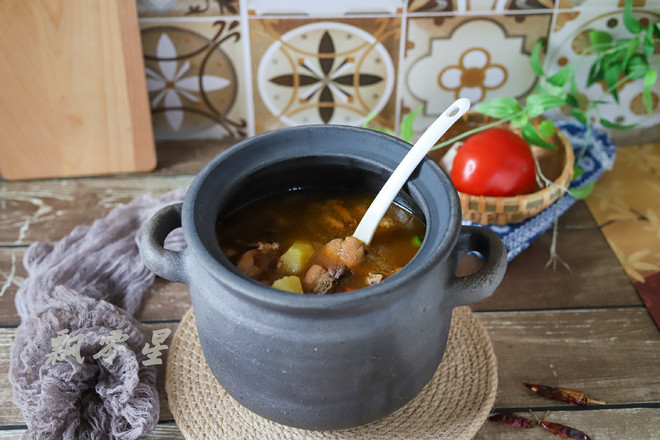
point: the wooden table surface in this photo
(585, 329)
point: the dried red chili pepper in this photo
(563, 431)
(511, 419)
(573, 397)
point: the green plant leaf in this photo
(574, 89)
(546, 128)
(637, 66)
(609, 124)
(600, 41)
(407, 124)
(631, 22)
(612, 73)
(649, 44)
(499, 107)
(657, 28)
(520, 121)
(572, 100)
(632, 45)
(577, 172)
(368, 119)
(537, 104)
(532, 136)
(649, 79)
(595, 72)
(560, 78)
(579, 115)
(545, 88)
(535, 61)
(582, 193)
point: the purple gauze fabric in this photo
(89, 283)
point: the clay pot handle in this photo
(481, 284)
(163, 262)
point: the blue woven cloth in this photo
(598, 158)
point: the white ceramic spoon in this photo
(365, 230)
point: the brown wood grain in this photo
(629, 424)
(48, 210)
(636, 423)
(611, 354)
(595, 278)
(163, 301)
(164, 431)
(74, 98)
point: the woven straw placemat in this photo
(453, 405)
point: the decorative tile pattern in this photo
(336, 62)
(194, 80)
(606, 4)
(566, 46)
(323, 71)
(334, 8)
(477, 5)
(186, 8)
(477, 58)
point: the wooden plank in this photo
(74, 99)
(50, 209)
(164, 300)
(578, 216)
(164, 431)
(611, 354)
(11, 415)
(596, 277)
(635, 423)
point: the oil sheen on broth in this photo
(283, 241)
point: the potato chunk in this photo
(295, 259)
(290, 284)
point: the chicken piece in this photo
(320, 280)
(374, 278)
(334, 223)
(345, 215)
(337, 270)
(255, 262)
(348, 251)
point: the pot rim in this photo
(431, 252)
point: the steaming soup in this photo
(300, 241)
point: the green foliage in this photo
(612, 63)
(499, 107)
(582, 193)
(407, 125)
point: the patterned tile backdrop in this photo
(235, 68)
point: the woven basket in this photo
(556, 165)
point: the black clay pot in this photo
(333, 361)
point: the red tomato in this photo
(494, 162)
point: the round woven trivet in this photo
(453, 405)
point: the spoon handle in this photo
(365, 230)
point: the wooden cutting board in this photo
(73, 98)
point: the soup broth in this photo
(283, 241)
